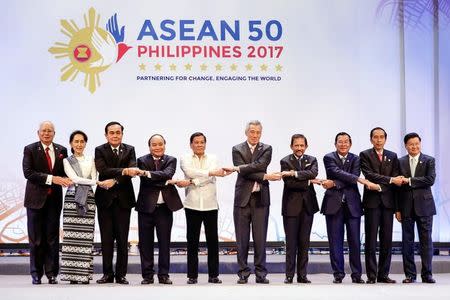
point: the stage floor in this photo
(20, 287)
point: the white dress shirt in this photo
(87, 167)
(51, 152)
(201, 194)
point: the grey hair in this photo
(253, 122)
(46, 122)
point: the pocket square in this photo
(307, 165)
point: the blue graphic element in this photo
(113, 28)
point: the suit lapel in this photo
(419, 166)
(406, 166)
(246, 152)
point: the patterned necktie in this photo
(116, 152)
(157, 164)
(343, 160)
(49, 159)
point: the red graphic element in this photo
(123, 48)
(82, 53)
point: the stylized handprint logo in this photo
(92, 49)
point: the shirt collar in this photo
(50, 146)
(414, 157)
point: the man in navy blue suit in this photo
(342, 206)
(416, 206)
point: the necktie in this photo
(49, 159)
(252, 149)
(115, 151)
(300, 163)
(157, 164)
(343, 160)
(413, 165)
(380, 156)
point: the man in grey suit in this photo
(252, 200)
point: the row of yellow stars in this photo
(217, 67)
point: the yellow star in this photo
(142, 67)
(233, 67)
(278, 68)
(263, 67)
(203, 67)
(218, 67)
(249, 67)
(188, 67)
(158, 67)
(173, 67)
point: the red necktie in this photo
(157, 164)
(49, 160)
(50, 167)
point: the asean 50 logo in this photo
(91, 49)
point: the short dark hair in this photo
(73, 134)
(378, 128)
(113, 123)
(411, 135)
(298, 136)
(156, 134)
(196, 134)
(342, 133)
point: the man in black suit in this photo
(342, 207)
(116, 163)
(252, 200)
(380, 166)
(416, 206)
(43, 168)
(298, 207)
(157, 200)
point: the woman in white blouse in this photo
(79, 213)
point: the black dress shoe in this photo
(192, 281)
(337, 280)
(147, 280)
(85, 282)
(214, 280)
(73, 282)
(371, 281)
(52, 280)
(386, 280)
(358, 280)
(106, 279)
(409, 280)
(262, 280)
(164, 280)
(303, 279)
(288, 280)
(242, 280)
(428, 279)
(122, 280)
(35, 280)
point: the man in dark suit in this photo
(43, 168)
(380, 166)
(416, 206)
(342, 207)
(116, 163)
(156, 201)
(252, 200)
(298, 207)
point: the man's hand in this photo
(405, 180)
(398, 216)
(316, 181)
(373, 186)
(132, 172)
(398, 181)
(182, 183)
(62, 181)
(275, 176)
(218, 172)
(230, 170)
(107, 184)
(290, 173)
(328, 184)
